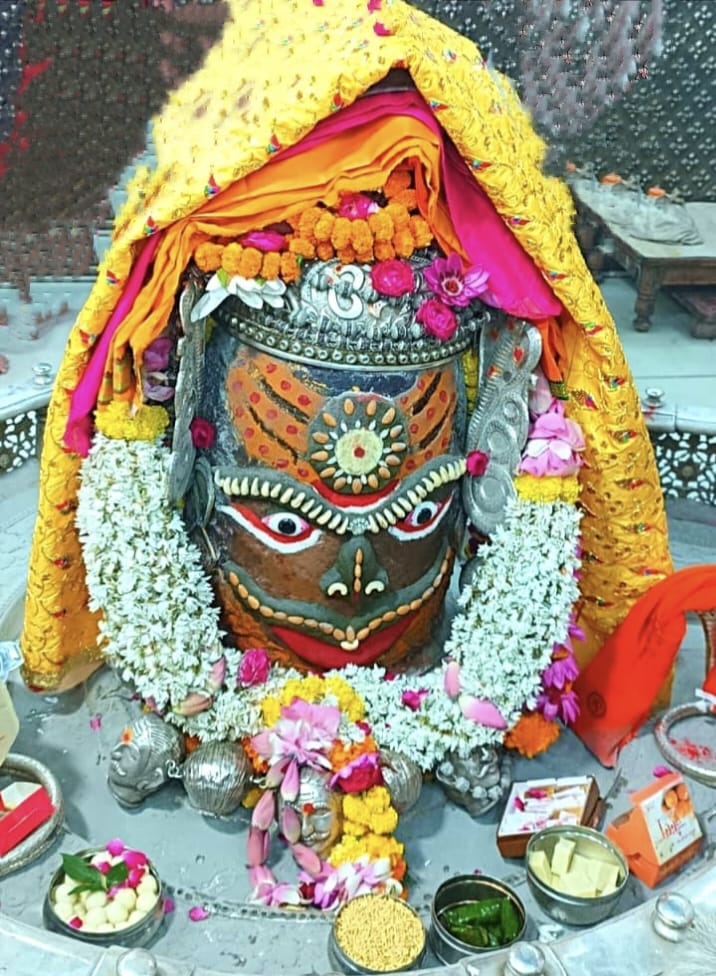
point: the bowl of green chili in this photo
(474, 914)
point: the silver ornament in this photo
(403, 779)
(216, 777)
(476, 782)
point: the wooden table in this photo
(653, 265)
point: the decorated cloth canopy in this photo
(274, 123)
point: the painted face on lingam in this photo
(320, 811)
(337, 483)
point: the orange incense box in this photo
(660, 833)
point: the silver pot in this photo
(139, 934)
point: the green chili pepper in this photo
(495, 936)
(474, 935)
(487, 910)
(509, 920)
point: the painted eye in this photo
(286, 524)
(423, 520)
(284, 532)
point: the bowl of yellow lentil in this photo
(376, 934)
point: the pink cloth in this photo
(78, 432)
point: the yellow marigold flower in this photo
(381, 225)
(341, 233)
(547, 489)
(532, 734)
(384, 823)
(398, 213)
(384, 251)
(208, 256)
(348, 700)
(399, 179)
(250, 263)
(325, 251)
(270, 710)
(121, 420)
(324, 227)
(231, 259)
(403, 242)
(355, 809)
(420, 229)
(346, 850)
(271, 266)
(302, 247)
(377, 799)
(290, 270)
(408, 198)
(354, 828)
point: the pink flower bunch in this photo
(392, 278)
(254, 668)
(356, 206)
(554, 444)
(437, 319)
(557, 699)
(155, 381)
(264, 240)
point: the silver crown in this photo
(335, 317)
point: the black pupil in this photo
(424, 515)
(287, 526)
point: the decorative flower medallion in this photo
(358, 442)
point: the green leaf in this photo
(223, 277)
(117, 874)
(79, 870)
(85, 887)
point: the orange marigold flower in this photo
(364, 257)
(307, 223)
(381, 225)
(341, 233)
(408, 198)
(532, 734)
(191, 743)
(260, 765)
(346, 255)
(420, 229)
(400, 179)
(290, 269)
(324, 226)
(251, 261)
(231, 259)
(398, 213)
(399, 869)
(403, 242)
(325, 251)
(208, 256)
(302, 247)
(384, 251)
(271, 265)
(361, 237)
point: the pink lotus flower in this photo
(306, 859)
(194, 703)
(414, 699)
(477, 462)
(217, 674)
(437, 319)
(392, 278)
(452, 679)
(482, 712)
(358, 775)
(254, 668)
(304, 733)
(257, 847)
(264, 240)
(291, 782)
(265, 811)
(356, 206)
(290, 825)
(554, 444)
(451, 284)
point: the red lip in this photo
(327, 656)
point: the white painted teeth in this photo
(373, 524)
(414, 497)
(286, 495)
(255, 487)
(389, 515)
(265, 489)
(322, 519)
(342, 528)
(381, 520)
(334, 522)
(402, 507)
(315, 511)
(276, 491)
(234, 486)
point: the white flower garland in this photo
(161, 630)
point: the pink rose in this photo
(254, 668)
(477, 462)
(264, 240)
(437, 319)
(554, 444)
(360, 774)
(202, 433)
(393, 278)
(355, 206)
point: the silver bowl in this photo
(571, 909)
(457, 891)
(347, 964)
(133, 936)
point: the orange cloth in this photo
(619, 686)
(355, 160)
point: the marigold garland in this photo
(532, 734)
(121, 420)
(533, 489)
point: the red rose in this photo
(393, 278)
(202, 433)
(360, 774)
(477, 462)
(437, 319)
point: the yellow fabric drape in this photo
(279, 68)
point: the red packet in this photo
(23, 808)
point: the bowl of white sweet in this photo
(108, 896)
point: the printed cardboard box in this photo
(538, 803)
(23, 808)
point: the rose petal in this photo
(264, 811)
(482, 712)
(168, 906)
(290, 784)
(452, 679)
(115, 847)
(290, 825)
(660, 771)
(95, 723)
(255, 847)
(198, 913)
(307, 859)
(134, 859)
